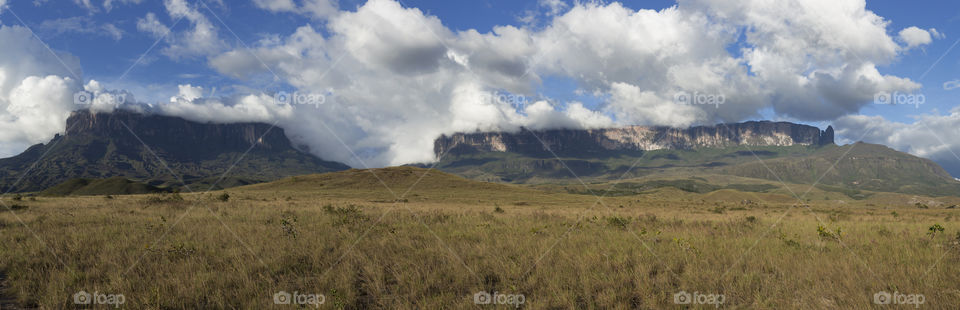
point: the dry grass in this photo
(356, 246)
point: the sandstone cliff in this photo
(634, 139)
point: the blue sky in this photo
(113, 48)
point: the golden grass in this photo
(345, 237)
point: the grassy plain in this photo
(346, 236)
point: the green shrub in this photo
(934, 230)
(617, 221)
(823, 232)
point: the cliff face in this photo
(634, 139)
(127, 144)
(177, 134)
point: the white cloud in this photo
(187, 93)
(81, 25)
(109, 4)
(915, 37)
(113, 31)
(202, 40)
(542, 115)
(318, 9)
(150, 24)
(36, 92)
(554, 7)
(246, 108)
(276, 5)
(86, 4)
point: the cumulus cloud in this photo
(36, 90)
(915, 37)
(929, 136)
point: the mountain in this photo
(633, 139)
(127, 144)
(797, 153)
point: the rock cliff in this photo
(634, 139)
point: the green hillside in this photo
(859, 166)
(91, 187)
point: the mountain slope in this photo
(127, 144)
(860, 166)
(110, 186)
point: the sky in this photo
(373, 83)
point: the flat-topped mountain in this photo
(795, 153)
(632, 139)
(127, 144)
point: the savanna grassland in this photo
(346, 236)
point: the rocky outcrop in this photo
(633, 139)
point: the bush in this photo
(164, 198)
(223, 197)
(823, 232)
(17, 197)
(17, 207)
(498, 209)
(345, 215)
(618, 222)
(934, 230)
